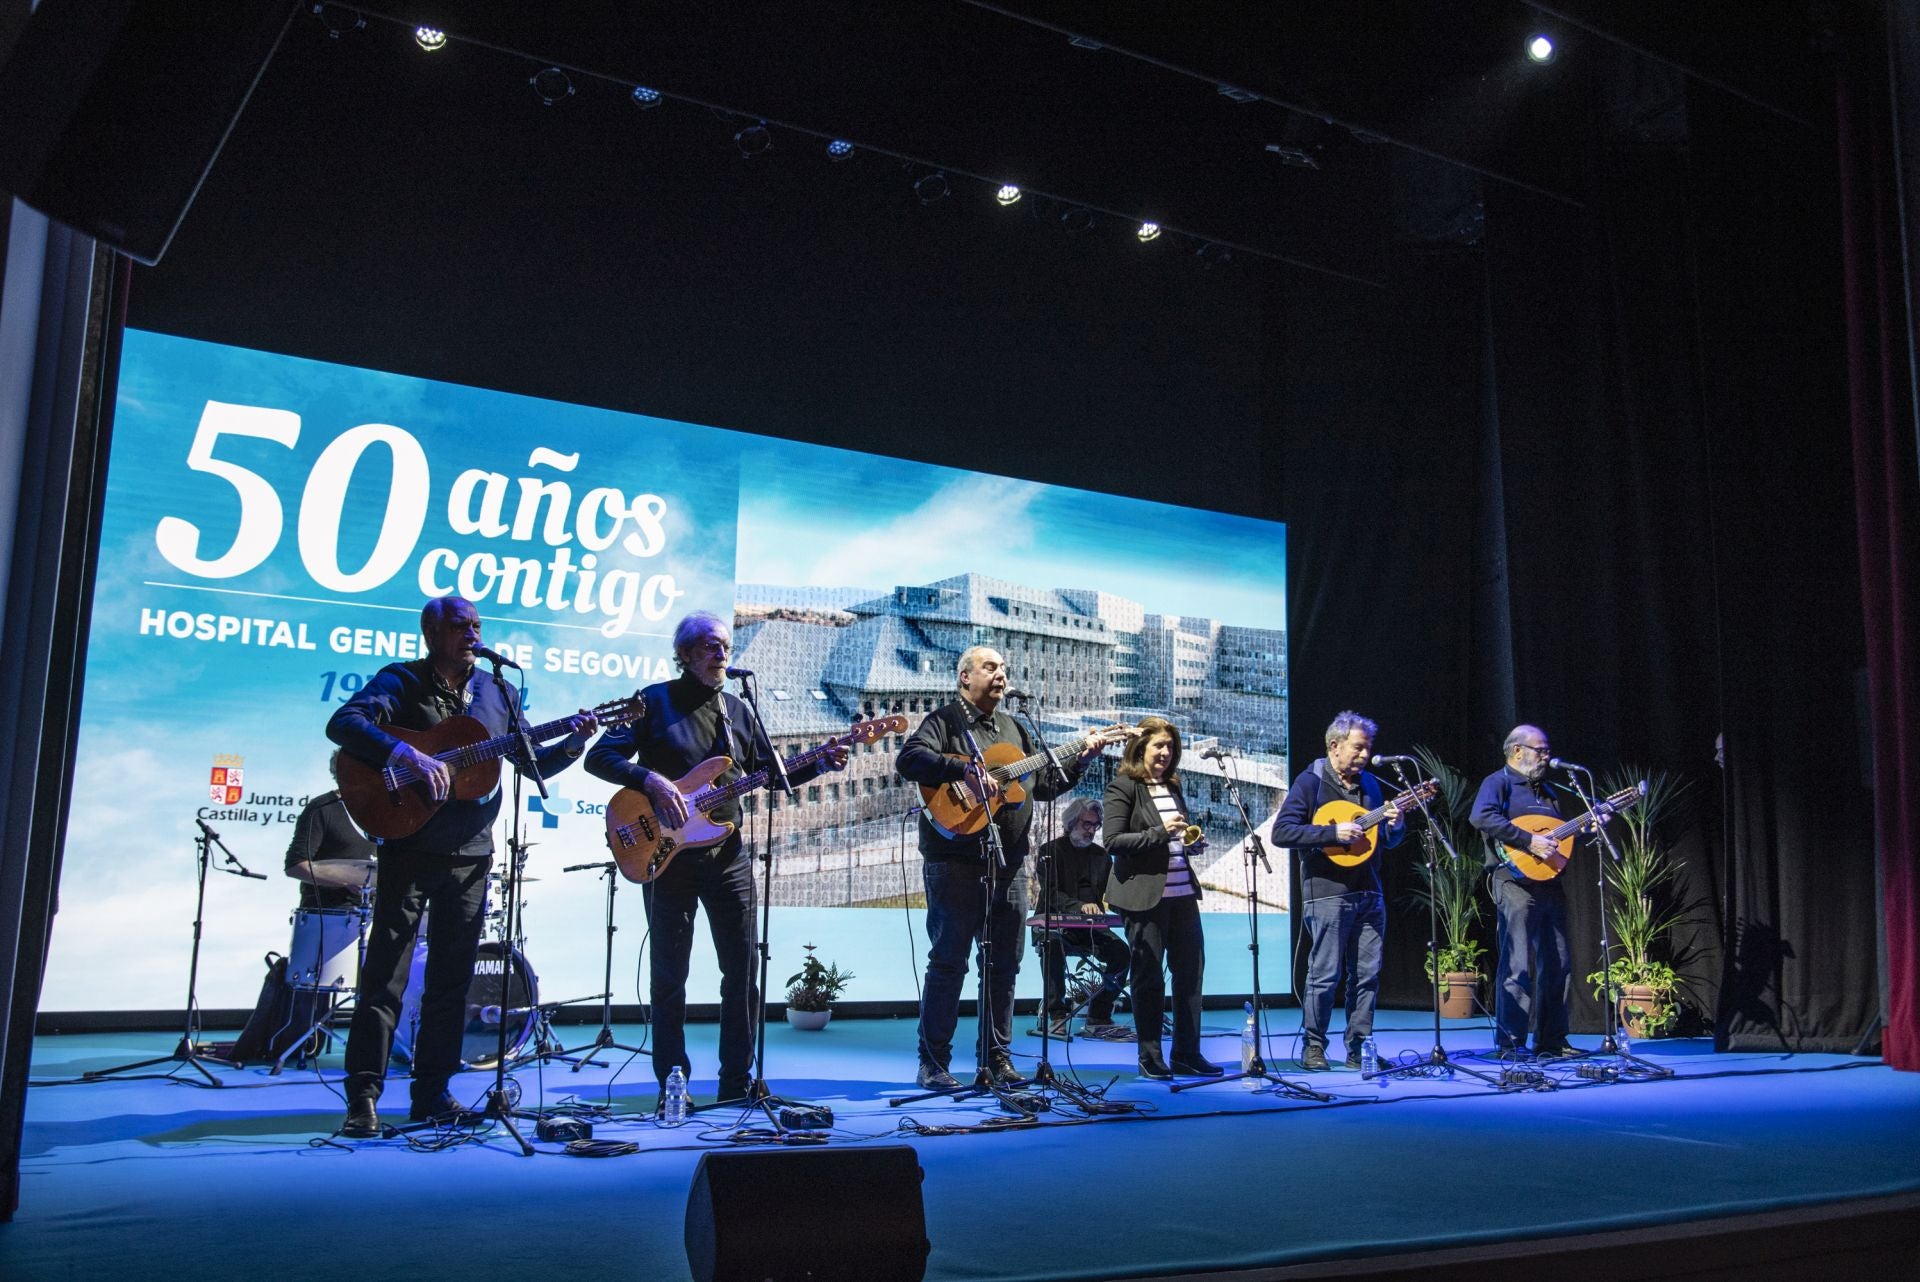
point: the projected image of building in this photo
(827, 657)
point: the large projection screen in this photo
(273, 524)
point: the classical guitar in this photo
(956, 811)
(392, 801)
(1534, 868)
(643, 846)
(1363, 846)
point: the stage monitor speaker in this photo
(788, 1214)
(116, 109)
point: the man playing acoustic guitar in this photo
(1344, 914)
(439, 868)
(938, 756)
(689, 720)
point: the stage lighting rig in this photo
(1008, 194)
(1235, 94)
(1294, 156)
(1540, 48)
(644, 98)
(1212, 254)
(1077, 220)
(551, 85)
(839, 149)
(754, 140)
(432, 39)
(1147, 232)
(338, 19)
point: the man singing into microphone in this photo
(440, 870)
(688, 720)
(1344, 913)
(1536, 962)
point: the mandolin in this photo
(393, 801)
(1341, 812)
(1534, 868)
(643, 846)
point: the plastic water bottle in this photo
(1249, 1049)
(1624, 1041)
(1370, 1060)
(674, 1104)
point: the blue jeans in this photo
(1536, 962)
(1347, 935)
(720, 881)
(957, 918)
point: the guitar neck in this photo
(500, 745)
(708, 798)
(1571, 826)
(1032, 762)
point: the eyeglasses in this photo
(713, 645)
(1539, 749)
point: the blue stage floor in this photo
(159, 1179)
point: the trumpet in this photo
(1189, 835)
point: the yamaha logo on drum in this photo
(490, 966)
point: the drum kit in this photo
(329, 944)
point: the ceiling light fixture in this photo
(551, 85)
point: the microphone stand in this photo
(187, 1052)
(1019, 1103)
(1432, 838)
(1610, 1043)
(1255, 855)
(603, 1040)
(1043, 1074)
(500, 1105)
(759, 1094)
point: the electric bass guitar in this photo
(394, 801)
(1562, 832)
(643, 846)
(1344, 812)
(957, 811)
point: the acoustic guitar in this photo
(394, 801)
(1534, 868)
(1363, 846)
(643, 846)
(956, 811)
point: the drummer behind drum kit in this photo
(329, 944)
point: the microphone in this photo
(494, 657)
(1561, 763)
(206, 828)
(1216, 754)
(1382, 761)
(1017, 694)
(737, 673)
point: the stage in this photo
(167, 1179)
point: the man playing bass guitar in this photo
(688, 720)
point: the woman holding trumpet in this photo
(1147, 834)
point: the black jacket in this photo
(1138, 844)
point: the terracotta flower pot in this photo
(811, 1020)
(1458, 989)
(1639, 1005)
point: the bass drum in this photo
(491, 996)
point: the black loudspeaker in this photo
(789, 1214)
(115, 109)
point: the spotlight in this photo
(839, 149)
(1540, 47)
(1147, 232)
(755, 140)
(1213, 255)
(338, 19)
(644, 98)
(1008, 195)
(931, 189)
(551, 85)
(430, 39)
(1077, 220)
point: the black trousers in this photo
(453, 894)
(1168, 933)
(721, 882)
(1536, 962)
(1103, 946)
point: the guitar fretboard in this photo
(707, 798)
(1626, 796)
(1028, 764)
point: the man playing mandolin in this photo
(440, 867)
(1536, 963)
(940, 755)
(1344, 914)
(689, 720)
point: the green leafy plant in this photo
(1645, 904)
(816, 984)
(1453, 887)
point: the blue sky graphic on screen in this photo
(273, 524)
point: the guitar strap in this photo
(723, 740)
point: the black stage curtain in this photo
(1592, 475)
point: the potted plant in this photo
(1453, 889)
(1644, 904)
(811, 991)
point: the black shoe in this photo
(1512, 1054)
(1353, 1060)
(1000, 1068)
(932, 1077)
(363, 1122)
(1314, 1060)
(1559, 1050)
(1153, 1067)
(735, 1091)
(1196, 1065)
(444, 1108)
